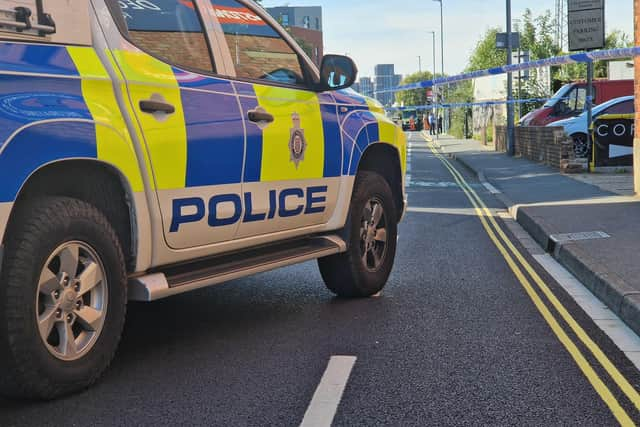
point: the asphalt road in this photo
(453, 340)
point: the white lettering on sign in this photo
(138, 5)
(236, 15)
(586, 29)
(620, 129)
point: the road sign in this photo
(586, 24)
(577, 5)
(501, 40)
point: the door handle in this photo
(259, 115)
(152, 106)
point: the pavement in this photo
(590, 223)
(454, 339)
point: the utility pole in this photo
(510, 119)
(419, 64)
(441, 49)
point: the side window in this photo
(170, 30)
(625, 107)
(258, 51)
(581, 99)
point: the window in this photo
(306, 22)
(170, 30)
(284, 19)
(625, 107)
(575, 101)
(318, 24)
(258, 51)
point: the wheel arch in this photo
(377, 157)
(94, 181)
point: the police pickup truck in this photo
(153, 147)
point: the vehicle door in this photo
(293, 160)
(190, 120)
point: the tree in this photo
(417, 96)
(572, 72)
(486, 55)
(537, 37)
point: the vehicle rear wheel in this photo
(581, 146)
(364, 269)
(62, 299)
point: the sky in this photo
(396, 31)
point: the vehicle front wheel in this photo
(62, 298)
(364, 269)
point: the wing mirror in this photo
(337, 72)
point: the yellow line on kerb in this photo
(604, 392)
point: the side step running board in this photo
(199, 274)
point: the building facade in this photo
(304, 23)
(385, 79)
(366, 86)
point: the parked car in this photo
(570, 100)
(577, 127)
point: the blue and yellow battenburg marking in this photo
(202, 144)
(63, 107)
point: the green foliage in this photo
(417, 96)
(485, 54)
(571, 72)
(461, 118)
(537, 35)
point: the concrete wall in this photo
(636, 150)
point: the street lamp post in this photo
(433, 87)
(441, 44)
(510, 112)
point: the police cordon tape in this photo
(600, 55)
(470, 104)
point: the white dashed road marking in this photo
(327, 397)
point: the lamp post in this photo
(441, 38)
(433, 87)
(510, 112)
(441, 44)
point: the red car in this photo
(570, 100)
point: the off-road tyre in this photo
(350, 274)
(30, 370)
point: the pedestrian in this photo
(432, 124)
(425, 121)
(439, 125)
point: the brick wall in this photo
(500, 138)
(636, 150)
(313, 39)
(548, 145)
(256, 56)
(187, 49)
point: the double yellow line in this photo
(517, 262)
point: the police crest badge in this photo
(297, 142)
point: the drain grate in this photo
(577, 237)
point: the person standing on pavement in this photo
(439, 125)
(432, 125)
(425, 122)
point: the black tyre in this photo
(363, 270)
(581, 146)
(62, 299)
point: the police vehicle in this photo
(153, 147)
